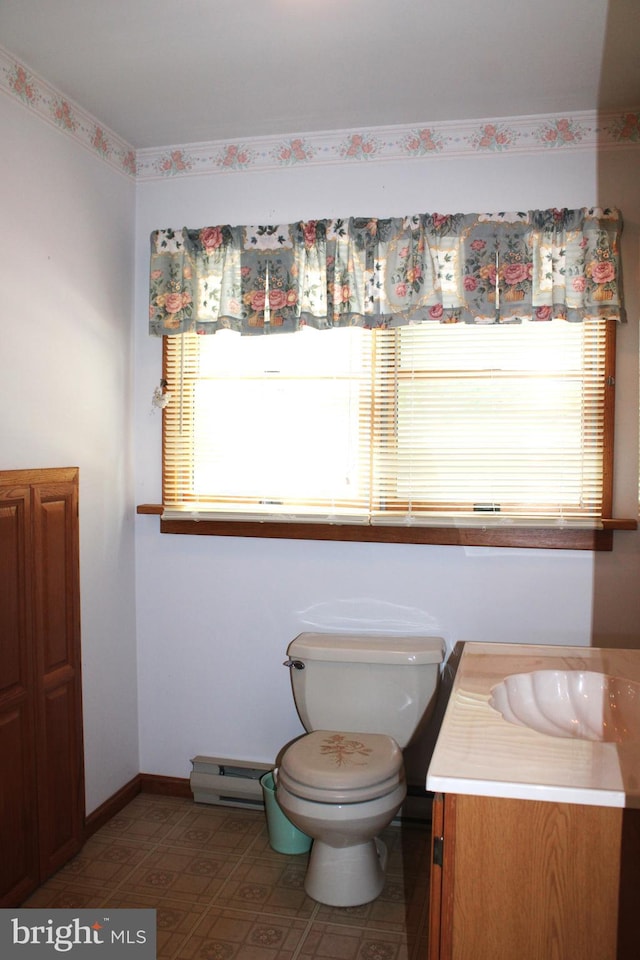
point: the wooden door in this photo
(19, 868)
(57, 647)
(41, 750)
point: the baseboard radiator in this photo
(236, 783)
(227, 783)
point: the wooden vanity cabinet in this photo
(41, 749)
(533, 880)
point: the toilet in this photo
(361, 699)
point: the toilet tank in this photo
(365, 684)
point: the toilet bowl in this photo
(342, 789)
(361, 699)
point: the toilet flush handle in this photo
(296, 664)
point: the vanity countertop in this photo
(479, 752)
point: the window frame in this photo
(526, 535)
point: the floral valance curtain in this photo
(450, 268)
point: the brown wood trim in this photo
(620, 523)
(548, 538)
(112, 806)
(156, 510)
(629, 885)
(41, 475)
(449, 828)
(166, 786)
(532, 537)
(435, 880)
(141, 783)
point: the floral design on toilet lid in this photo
(336, 766)
(344, 751)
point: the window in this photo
(439, 378)
(412, 430)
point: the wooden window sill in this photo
(548, 538)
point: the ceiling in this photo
(167, 72)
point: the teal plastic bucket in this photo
(284, 837)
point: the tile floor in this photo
(222, 893)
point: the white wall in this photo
(215, 615)
(65, 389)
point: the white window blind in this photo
(424, 424)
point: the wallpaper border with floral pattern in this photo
(586, 130)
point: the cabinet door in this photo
(19, 869)
(41, 751)
(528, 879)
(57, 646)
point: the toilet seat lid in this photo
(331, 766)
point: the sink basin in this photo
(580, 704)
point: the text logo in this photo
(27, 934)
